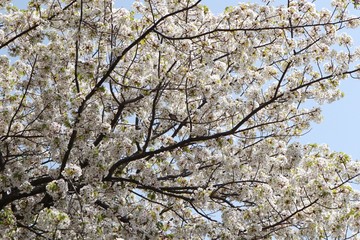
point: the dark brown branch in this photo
(290, 216)
(252, 29)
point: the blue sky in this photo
(340, 128)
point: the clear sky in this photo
(340, 128)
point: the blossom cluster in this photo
(165, 121)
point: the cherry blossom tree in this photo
(165, 121)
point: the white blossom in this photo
(165, 121)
